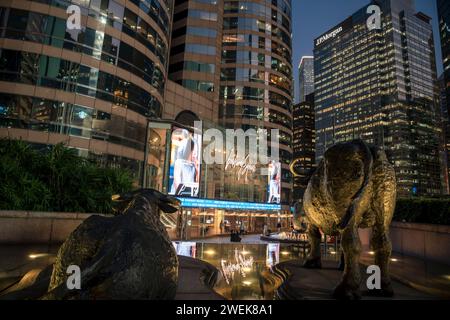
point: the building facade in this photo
(102, 88)
(201, 215)
(444, 28)
(306, 77)
(196, 42)
(445, 130)
(94, 86)
(303, 145)
(379, 85)
(238, 54)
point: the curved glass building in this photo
(238, 53)
(93, 86)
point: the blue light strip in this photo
(221, 204)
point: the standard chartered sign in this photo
(329, 35)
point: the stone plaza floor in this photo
(413, 278)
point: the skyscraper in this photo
(444, 28)
(306, 76)
(380, 85)
(195, 48)
(303, 145)
(445, 127)
(238, 53)
(93, 86)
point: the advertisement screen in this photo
(274, 182)
(185, 159)
(272, 254)
(188, 249)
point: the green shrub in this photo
(57, 180)
(423, 210)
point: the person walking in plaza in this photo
(221, 226)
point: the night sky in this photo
(311, 18)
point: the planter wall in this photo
(27, 227)
(425, 241)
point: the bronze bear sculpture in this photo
(128, 256)
(353, 187)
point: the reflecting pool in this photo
(246, 270)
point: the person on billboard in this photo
(274, 182)
(185, 169)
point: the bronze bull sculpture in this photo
(127, 256)
(353, 187)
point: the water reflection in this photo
(241, 265)
(245, 269)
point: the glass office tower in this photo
(306, 77)
(238, 53)
(444, 28)
(303, 145)
(380, 85)
(195, 48)
(92, 87)
(445, 128)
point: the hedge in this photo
(423, 210)
(56, 179)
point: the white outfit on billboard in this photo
(274, 188)
(184, 171)
(274, 185)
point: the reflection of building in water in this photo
(273, 254)
(246, 268)
(187, 249)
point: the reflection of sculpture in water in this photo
(259, 274)
(353, 187)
